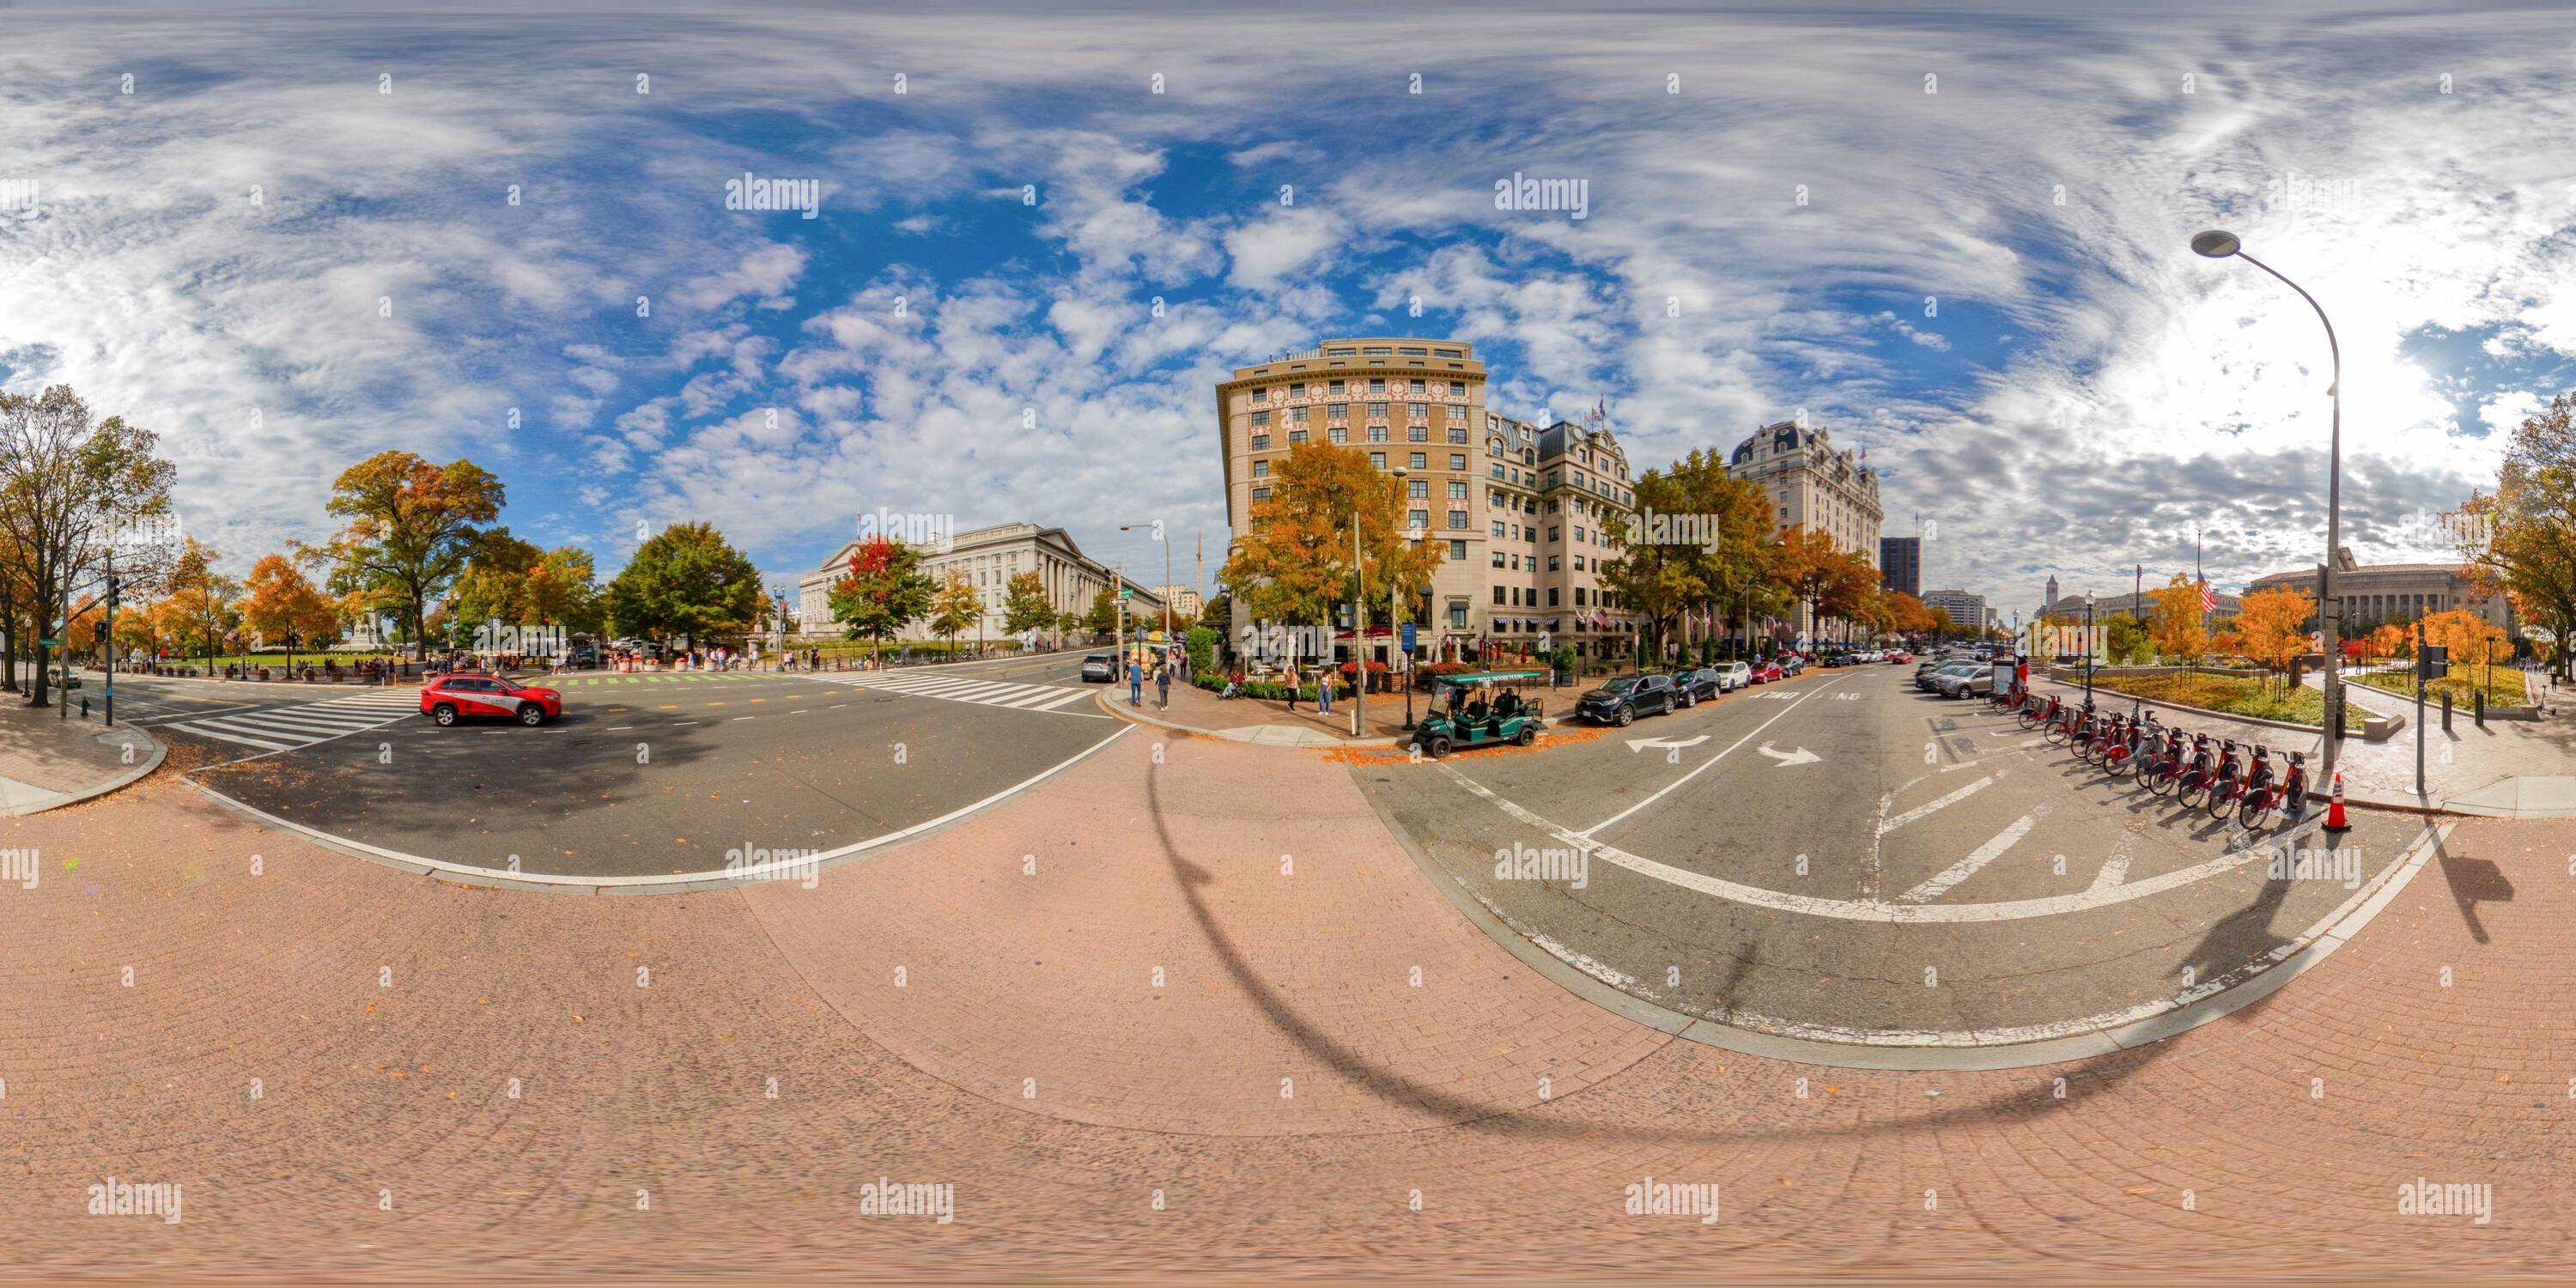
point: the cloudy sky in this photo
(287, 239)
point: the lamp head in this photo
(2216, 244)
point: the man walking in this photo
(1135, 681)
(1163, 687)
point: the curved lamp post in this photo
(2217, 244)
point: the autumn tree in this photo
(1025, 606)
(882, 590)
(411, 528)
(1295, 564)
(2179, 628)
(283, 606)
(1829, 580)
(72, 489)
(954, 606)
(203, 603)
(2271, 627)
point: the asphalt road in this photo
(644, 776)
(1842, 858)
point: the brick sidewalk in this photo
(45, 755)
(720, 1115)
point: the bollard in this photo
(2446, 711)
(2481, 716)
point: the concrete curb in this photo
(120, 734)
(2338, 929)
(1136, 716)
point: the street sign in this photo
(1407, 630)
(1126, 591)
(46, 643)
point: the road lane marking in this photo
(1900, 913)
(1703, 765)
(2115, 869)
(1977, 859)
(1921, 811)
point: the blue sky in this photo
(1956, 240)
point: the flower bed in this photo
(2505, 691)
(2254, 699)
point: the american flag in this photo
(2208, 597)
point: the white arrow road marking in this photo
(1936, 807)
(1640, 744)
(1977, 859)
(1703, 765)
(1801, 756)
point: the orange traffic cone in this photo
(2334, 809)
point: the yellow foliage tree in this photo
(2271, 627)
(2177, 628)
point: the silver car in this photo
(1976, 680)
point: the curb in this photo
(1104, 699)
(2338, 929)
(160, 752)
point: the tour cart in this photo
(1461, 719)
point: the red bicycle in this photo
(2289, 796)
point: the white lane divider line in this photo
(1703, 765)
(1977, 859)
(2116, 868)
(1923, 811)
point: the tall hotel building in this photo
(1814, 485)
(1519, 507)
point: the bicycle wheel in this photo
(2158, 781)
(2219, 802)
(2257, 804)
(2192, 793)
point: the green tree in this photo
(1025, 607)
(412, 527)
(686, 581)
(1103, 617)
(203, 602)
(883, 590)
(72, 490)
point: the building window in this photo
(1457, 519)
(1260, 469)
(1377, 460)
(1377, 433)
(1551, 596)
(1333, 387)
(1339, 433)
(1296, 435)
(1578, 597)
(1458, 551)
(1296, 415)
(1337, 411)
(1417, 461)
(1458, 617)
(1417, 488)
(1578, 563)
(1458, 389)
(1417, 433)
(1498, 472)
(1498, 596)
(1552, 565)
(1498, 529)
(1261, 420)
(1378, 387)
(1261, 394)
(1417, 411)
(1260, 494)
(1419, 519)
(1458, 436)
(1377, 411)
(1261, 442)
(1552, 529)
(1457, 490)
(1458, 460)
(1498, 558)
(1415, 388)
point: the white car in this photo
(1734, 675)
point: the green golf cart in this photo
(1462, 718)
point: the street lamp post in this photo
(1394, 629)
(2217, 244)
(1160, 536)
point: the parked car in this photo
(1734, 675)
(1792, 664)
(1766, 673)
(1624, 699)
(451, 698)
(1698, 682)
(1931, 682)
(1099, 668)
(1900, 655)
(1924, 669)
(1976, 681)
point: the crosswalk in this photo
(287, 728)
(991, 693)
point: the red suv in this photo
(451, 698)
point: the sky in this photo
(286, 238)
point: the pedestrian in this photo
(1293, 684)
(1135, 682)
(1324, 691)
(1163, 687)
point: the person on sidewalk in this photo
(1233, 685)
(1293, 685)
(1324, 691)
(1163, 687)
(1135, 682)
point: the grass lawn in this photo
(2505, 690)
(2254, 697)
(273, 661)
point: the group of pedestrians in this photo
(1160, 666)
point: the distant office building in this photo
(1900, 565)
(1965, 609)
(1186, 601)
(2395, 594)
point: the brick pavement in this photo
(46, 755)
(384, 1015)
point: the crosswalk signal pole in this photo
(2420, 665)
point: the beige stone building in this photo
(988, 558)
(2394, 594)
(1815, 485)
(1186, 603)
(1505, 498)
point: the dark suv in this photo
(1697, 683)
(1628, 697)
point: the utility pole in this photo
(2420, 793)
(1359, 628)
